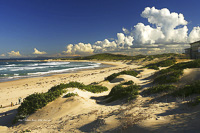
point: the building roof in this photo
(187, 48)
(194, 42)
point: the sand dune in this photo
(88, 112)
(190, 75)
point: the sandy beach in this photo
(10, 91)
(88, 112)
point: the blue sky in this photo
(50, 25)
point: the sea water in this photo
(11, 70)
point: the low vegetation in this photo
(38, 100)
(188, 90)
(153, 67)
(196, 101)
(108, 56)
(128, 83)
(165, 63)
(120, 91)
(91, 88)
(168, 77)
(70, 95)
(160, 89)
(173, 73)
(114, 75)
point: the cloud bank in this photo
(14, 54)
(38, 52)
(167, 32)
(123, 42)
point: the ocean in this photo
(16, 69)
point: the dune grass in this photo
(160, 89)
(130, 82)
(153, 67)
(196, 101)
(90, 88)
(109, 56)
(70, 95)
(173, 73)
(36, 101)
(128, 72)
(188, 90)
(164, 63)
(119, 92)
(169, 77)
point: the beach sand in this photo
(88, 112)
(10, 91)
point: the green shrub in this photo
(193, 88)
(70, 95)
(196, 101)
(94, 88)
(184, 65)
(153, 67)
(159, 89)
(167, 63)
(119, 92)
(164, 63)
(168, 77)
(130, 82)
(114, 75)
(38, 100)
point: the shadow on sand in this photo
(6, 118)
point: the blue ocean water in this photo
(10, 70)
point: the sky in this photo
(30, 28)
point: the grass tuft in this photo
(119, 92)
(193, 88)
(128, 72)
(38, 100)
(159, 89)
(70, 95)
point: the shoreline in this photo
(75, 70)
(10, 91)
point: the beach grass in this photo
(128, 72)
(38, 100)
(174, 72)
(120, 91)
(159, 89)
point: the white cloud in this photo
(38, 52)
(170, 27)
(2, 55)
(167, 32)
(194, 34)
(146, 34)
(80, 49)
(123, 42)
(126, 31)
(13, 53)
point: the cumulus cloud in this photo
(122, 42)
(126, 31)
(167, 32)
(170, 27)
(80, 49)
(194, 34)
(2, 55)
(38, 52)
(13, 53)
(147, 35)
